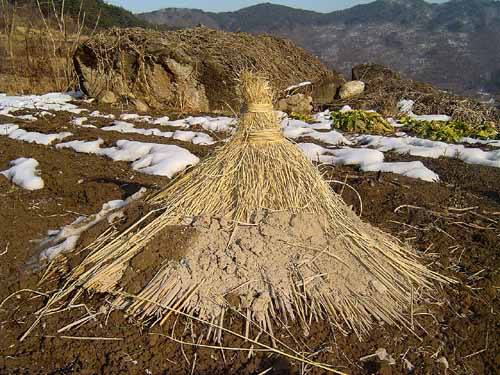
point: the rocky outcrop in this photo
(193, 69)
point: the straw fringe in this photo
(258, 170)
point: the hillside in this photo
(107, 14)
(451, 45)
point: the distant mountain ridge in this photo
(454, 45)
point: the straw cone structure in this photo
(260, 170)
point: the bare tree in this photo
(9, 10)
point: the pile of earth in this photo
(192, 69)
(385, 88)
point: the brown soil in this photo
(463, 328)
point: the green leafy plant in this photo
(449, 131)
(302, 117)
(358, 121)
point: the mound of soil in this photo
(384, 88)
(192, 69)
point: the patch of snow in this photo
(345, 109)
(295, 128)
(80, 121)
(367, 160)
(36, 137)
(413, 169)
(489, 142)
(27, 117)
(23, 172)
(6, 129)
(86, 147)
(301, 84)
(65, 239)
(149, 158)
(102, 115)
(152, 158)
(431, 149)
(405, 107)
(215, 124)
(47, 102)
(188, 136)
(136, 117)
(193, 137)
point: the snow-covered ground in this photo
(363, 151)
(66, 238)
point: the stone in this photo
(351, 88)
(107, 97)
(298, 103)
(324, 92)
(140, 105)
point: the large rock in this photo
(298, 103)
(352, 88)
(193, 69)
(107, 97)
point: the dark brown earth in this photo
(455, 223)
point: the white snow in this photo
(215, 124)
(405, 107)
(47, 102)
(188, 136)
(23, 172)
(431, 117)
(86, 147)
(102, 115)
(13, 132)
(413, 169)
(193, 137)
(150, 158)
(6, 129)
(489, 142)
(65, 239)
(367, 160)
(345, 109)
(301, 84)
(295, 129)
(431, 149)
(136, 117)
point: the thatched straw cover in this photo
(260, 170)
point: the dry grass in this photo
(36, 49)
(384, 93)
(123, 61)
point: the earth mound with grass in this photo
(192, 69)
(385, 88)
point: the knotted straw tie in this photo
(263, 135)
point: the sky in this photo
(137, 6)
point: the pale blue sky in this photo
(229, 5)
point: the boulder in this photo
(107, 97)
(298, 103)
(195, 69)
(352, 88)
(140, 105)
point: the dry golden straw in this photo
(259, 169)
